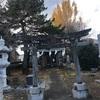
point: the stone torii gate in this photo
(39, 42)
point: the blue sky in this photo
(88, 9)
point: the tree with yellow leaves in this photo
(66, 15)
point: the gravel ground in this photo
(59, 83)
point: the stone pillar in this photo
(35, 92)
(1, 88)
(35, 67)
(76, 62)
(80, 90)
(99, 43)
(4, 76)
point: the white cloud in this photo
(88, 9)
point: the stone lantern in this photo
(4, 62)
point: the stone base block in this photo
(7, 88)
(35, 90)
(39, 96)
(35, 94)
(80, 91)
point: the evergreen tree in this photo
(88, 57)
(25, 17)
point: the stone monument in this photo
(68, 63)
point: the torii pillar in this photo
(35, 91)
(80, 90)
